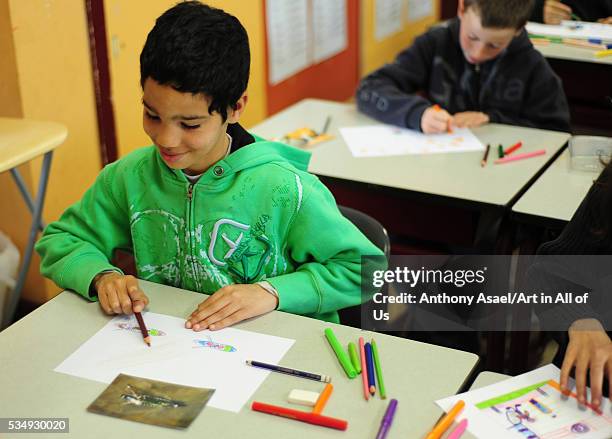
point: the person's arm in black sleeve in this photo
(545, 105)
(389, 94)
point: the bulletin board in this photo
(335, 78)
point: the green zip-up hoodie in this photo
(255, 215)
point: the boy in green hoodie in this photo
(208, 207)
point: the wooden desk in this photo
(415, 373)
(21, 141)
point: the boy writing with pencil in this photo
(477, 68)
(208, 207)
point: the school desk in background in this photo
(307, 137)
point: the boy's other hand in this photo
(607, 20)
(231, 304)
(590, 349)
(119, 294)
(435, 120)
(555, 12)
(470, 119)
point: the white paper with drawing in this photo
(385, 140)
(178, 355)
(530, 406)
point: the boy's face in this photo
(481, 44)
(186, 135)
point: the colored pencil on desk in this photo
(370, 366)
(485, 157)
(378, 368)
(310, 418)
(525, 155)
(323, 397)
(459, 430)
(143, 329)
(446, 421)
(513, 148)
(364, 370)
(289, 371)
(575, 17)
(500, 151)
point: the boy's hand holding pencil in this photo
(119, 294)
(436, 120)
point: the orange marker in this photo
(323, 397)
(436, 107)
(446, 421)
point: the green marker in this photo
(575, 17)
(379, 376)
(500, 151)
(354, 357)
(344, 360)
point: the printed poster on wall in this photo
(288, 46)
(329, 28)
(388, 18)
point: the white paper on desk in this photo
(547, 415)
(572, 29)
(385, 140)
(176, 356)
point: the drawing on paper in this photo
(539, 412)
(209, 343)
(132, 327)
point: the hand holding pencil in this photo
(119, 294)
(436, 120)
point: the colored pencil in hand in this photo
(143, 329)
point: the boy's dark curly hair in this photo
(198, 49)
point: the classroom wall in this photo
(49, 77)
(376, 53)
(126, 36)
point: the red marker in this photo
(513, 148)
(310, 418)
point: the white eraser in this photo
(303, 397)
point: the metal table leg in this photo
(36, 208)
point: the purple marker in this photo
(385, 424)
